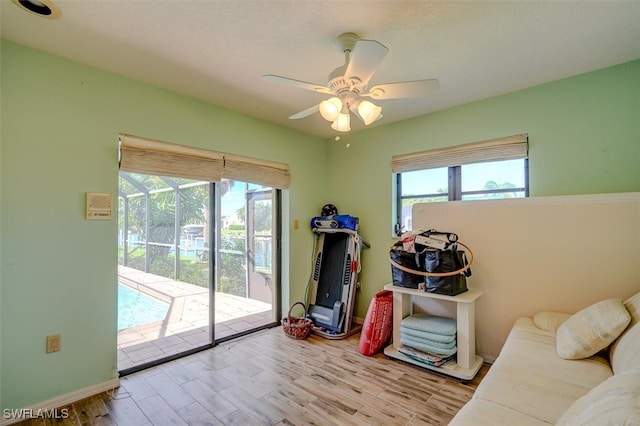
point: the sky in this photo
(474, 177)
(233, 199)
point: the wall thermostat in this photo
(99, 206)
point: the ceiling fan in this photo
(349, 85)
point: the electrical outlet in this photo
(53, 343)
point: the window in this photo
(494, 169)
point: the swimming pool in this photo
(137, 308)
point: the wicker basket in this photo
(297, 328)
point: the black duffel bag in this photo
(435, 271)
(450, 270)
(412, 262)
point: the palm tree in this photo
(493, 185)
(159, 195)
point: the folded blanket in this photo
(441, 338)
(431, 347)
(424, 357)
(430, 324)
(427, 342)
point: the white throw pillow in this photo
(592, 329)
(615, 402)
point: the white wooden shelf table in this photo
(467, 363)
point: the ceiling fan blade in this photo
(364, 60)
(296, 83)
(304, 113)
(404, 89)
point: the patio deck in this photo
(187, 322)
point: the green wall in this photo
(584, 137)
(60, 122)
(60, 125)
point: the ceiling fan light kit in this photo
(342, 123)
(369, 112)
(349, 84)
(330, 108)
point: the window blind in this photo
(148, 156)
(247, 169)
(507, 148)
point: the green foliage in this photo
(193, 209)
(233, 270)
(412, 201)
(241, 213)
(162, 209)
(489, 185)
(192, 272)
(494, 185)
(262, 216)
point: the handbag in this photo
(444, 271)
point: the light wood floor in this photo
(270, 379)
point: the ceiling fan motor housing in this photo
(347, 41)
(340, 84)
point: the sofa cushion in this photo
(625, 351)
(550, 321)
(613, 402)
(592, 329)
(485, 413)
(529, 377)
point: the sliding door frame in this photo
(277, 304)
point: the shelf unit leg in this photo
(466, 336)
(401, 309)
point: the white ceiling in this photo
(217, 50)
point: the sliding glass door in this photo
(164, 284)
(196, 265)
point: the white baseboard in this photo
(63, 400)
(489, 359)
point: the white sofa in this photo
(531, 384)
